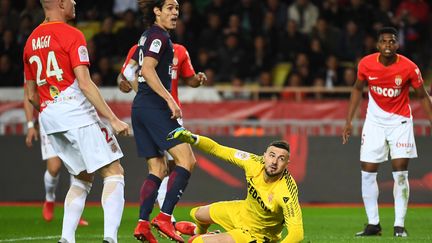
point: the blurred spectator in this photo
(294, 80)
(279, 10)
(316, 54)
(319, 84)
(412, 19)
(106, 41)
(259, 58)
(107, 74)
(237, 92)
(25, 29)
(122, 6)
(210, 77)
(328, 35)
(250, 14)
(9, 46)
(231, 59)
(191, 20)
(305, 14)
(369, 45)
(333, 73)
(9, 16)
(352, 42)
(181, 36)
(265, 81)
(383, 15)
(129, 34)
(360, 12)
(204, 61)
(9, 75)
(211, 37)
(291, 42)
(349, 78)
(302, 68)
(33, 8)
(270, 32)
(332, 12)
(219, 7)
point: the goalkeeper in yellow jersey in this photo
(271, 202)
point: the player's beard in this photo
(272, 175)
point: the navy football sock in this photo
(177, 183)
(148, 194)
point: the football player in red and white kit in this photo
(59, 85)
(182, 67)
(388, 128)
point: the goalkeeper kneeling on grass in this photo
(271, 202)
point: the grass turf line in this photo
(25, 224)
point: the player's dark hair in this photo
(388, 30)
(280, 144)
(146, 7)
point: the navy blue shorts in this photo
(151, 127)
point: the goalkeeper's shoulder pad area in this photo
(183, 135)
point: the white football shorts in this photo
(46, 148)
(378, 142)
(87, 148)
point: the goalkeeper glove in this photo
(183, 135)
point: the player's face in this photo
(387, 44)
(69, 9)
(275, 161)
(167, 16)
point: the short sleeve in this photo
(28, 74)
(416, 77)
(78, 52)
(361, 75)
(155, 45)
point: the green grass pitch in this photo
(322, 224)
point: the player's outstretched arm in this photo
(356, 96)
(92, 93)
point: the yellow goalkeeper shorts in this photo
(227, 215)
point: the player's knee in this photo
(112, 169)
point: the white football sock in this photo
(113, 204)
(370, 194)
(162, 193)
(73, 207)
(50, 183)
(401, 196)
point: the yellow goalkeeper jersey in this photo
(268, 206)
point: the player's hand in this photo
(201, 77)
(125, 86)
(346, 132)
(175, 109)
(120, 128)
(183, 135)
(31, 134)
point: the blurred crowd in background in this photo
(237, 42)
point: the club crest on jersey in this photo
(156, 45)
(54, 92)
(398, 80)
(175, 60)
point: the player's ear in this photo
(157, 11)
